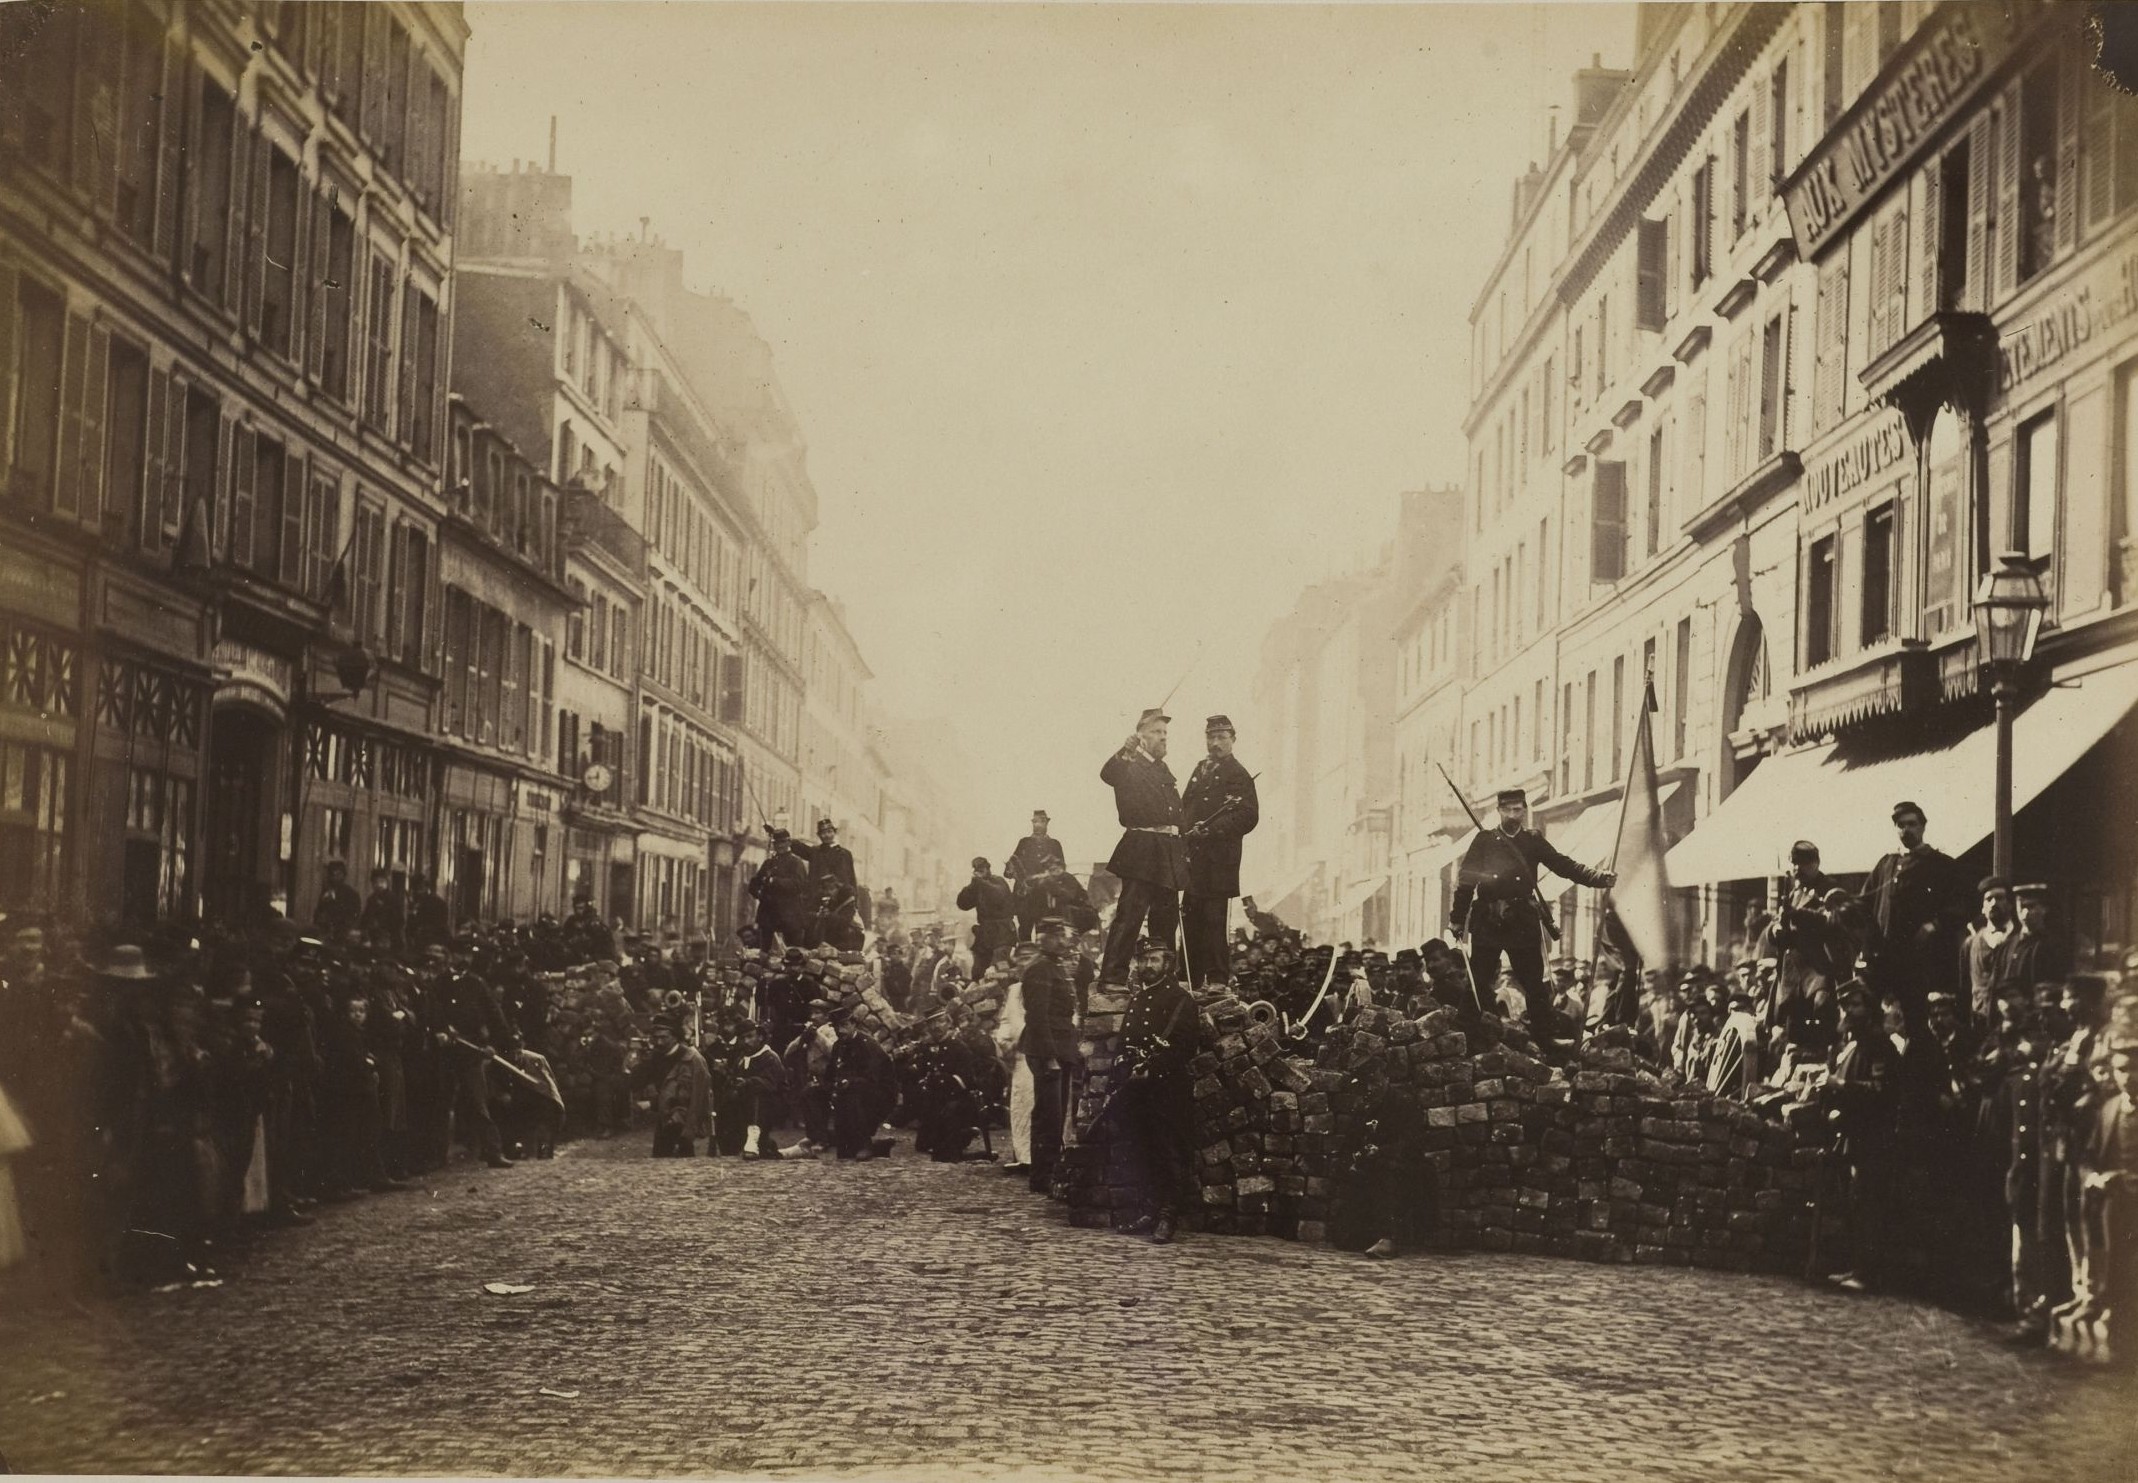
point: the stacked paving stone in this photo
(1607, 1163)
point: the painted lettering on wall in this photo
(1856, 462)
(2099, 303)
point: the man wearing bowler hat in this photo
(1496, 902)
(1220, 807)
(1149, 860)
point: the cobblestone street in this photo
(734, 1317)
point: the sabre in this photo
(1468, 972)
(1183, 678)
(1299, 1030)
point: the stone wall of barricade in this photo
(1600, 1160)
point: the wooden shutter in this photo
(396, 577)
(156, 472)
(169, 184)
(314, 264)
(1981, 146)
(96, 61)
(2071, 82)
(234, 254)
(2007, 224)
(1830, 385)
(1929, 214)
(242, 456)
(2099, 143)
(290, 570)
(1652, 254)
(73, 395)
(256, 233)
(1607, 525)
(405, 398)
(374, 22)
(171, 511)
(9, 312)
(1758, 163)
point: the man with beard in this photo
(1221, 808)
(1918, 901)
(1149, 860)
(1035, 856)
(1159, 1033)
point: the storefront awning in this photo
(1845, 808)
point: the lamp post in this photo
(2008, 610)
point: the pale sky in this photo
(1109, 328)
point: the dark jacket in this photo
(1049, 1010)
(427, 921)
(336, 912)
(1919, 905)
(1500, 869)
(382, 919)
(988, 896)
(1160, 1029)
(781, 886)
(833, 860)
(1220, 807)
(1146, 800)
(1033, 856)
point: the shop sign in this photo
(1918, 92)
(242, 665)
(1941, 564)
(1856, 462)
(2098, 303)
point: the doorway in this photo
(244, 755)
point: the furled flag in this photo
(1641, 898)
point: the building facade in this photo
(222, 404)
(843, 772)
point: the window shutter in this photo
(374, 19)
(396, 576)
(1981, 144)
(96, 53)
(315, 320)
(1924, 296)
(256, 234)
(404, 421)
(74, 379)
(1759, 165)
(2099, 143)
(241, 497)
(171, 136)
(2006, 222)
(290, 571)
(1651, 268)
(151, 495)
(8, 315)
(2072, 83)
(172, 512)
(1607, 528)
(1830, 385)
(235, 257)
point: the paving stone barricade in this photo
(1601, 1159)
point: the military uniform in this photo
(1220, 807)
(1149, 860)
(781, 886)
(1919, 902)
(1496, 902)
(1158, 1039)
(989, 898)
(1035, 857)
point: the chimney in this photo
(552, 144)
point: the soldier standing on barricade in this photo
(1221, 808)
(1035, 856)
(1148, 861)
(1862, 1094)
(1801, 936)
(1049, 1043)
(1156, 1114)
(1497, 906)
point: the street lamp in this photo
(2008, 609)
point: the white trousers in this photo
(1020, 1110)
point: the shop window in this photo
(1878, 554)
(337, 827)
(1820, 576)
(33, 820)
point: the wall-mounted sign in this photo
(1921, 88)
(1854, 463)
(241, 666)
(2100, 301)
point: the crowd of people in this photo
(163, 1101)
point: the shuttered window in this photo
(1607, 525)
(1830, 332)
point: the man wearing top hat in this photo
(1496, 902)
(1037, 856)
(1220, 807)
(1148, 861)
(1918, 902)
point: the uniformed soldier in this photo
(1220, 807)
(1159, 1033)
(1033, 858)
(1919, 900)
(1497, 908)
(1149, 861)
(828, 859)
(781, 886)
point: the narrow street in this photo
(904, 1317)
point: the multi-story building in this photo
(505, 604)
(1325, 701)
(843, 771)
(541, 349)
(225, 269)
(1427, 820)
(1758, 394)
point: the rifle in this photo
(1536, 892)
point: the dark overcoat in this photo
(1221, 799)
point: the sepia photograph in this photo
(1382, 741)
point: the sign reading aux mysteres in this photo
(1910, 101)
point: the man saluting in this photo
(1148, 860)
(1496, 902)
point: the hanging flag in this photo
(1641, 899)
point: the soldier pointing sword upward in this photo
(1149, 861)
